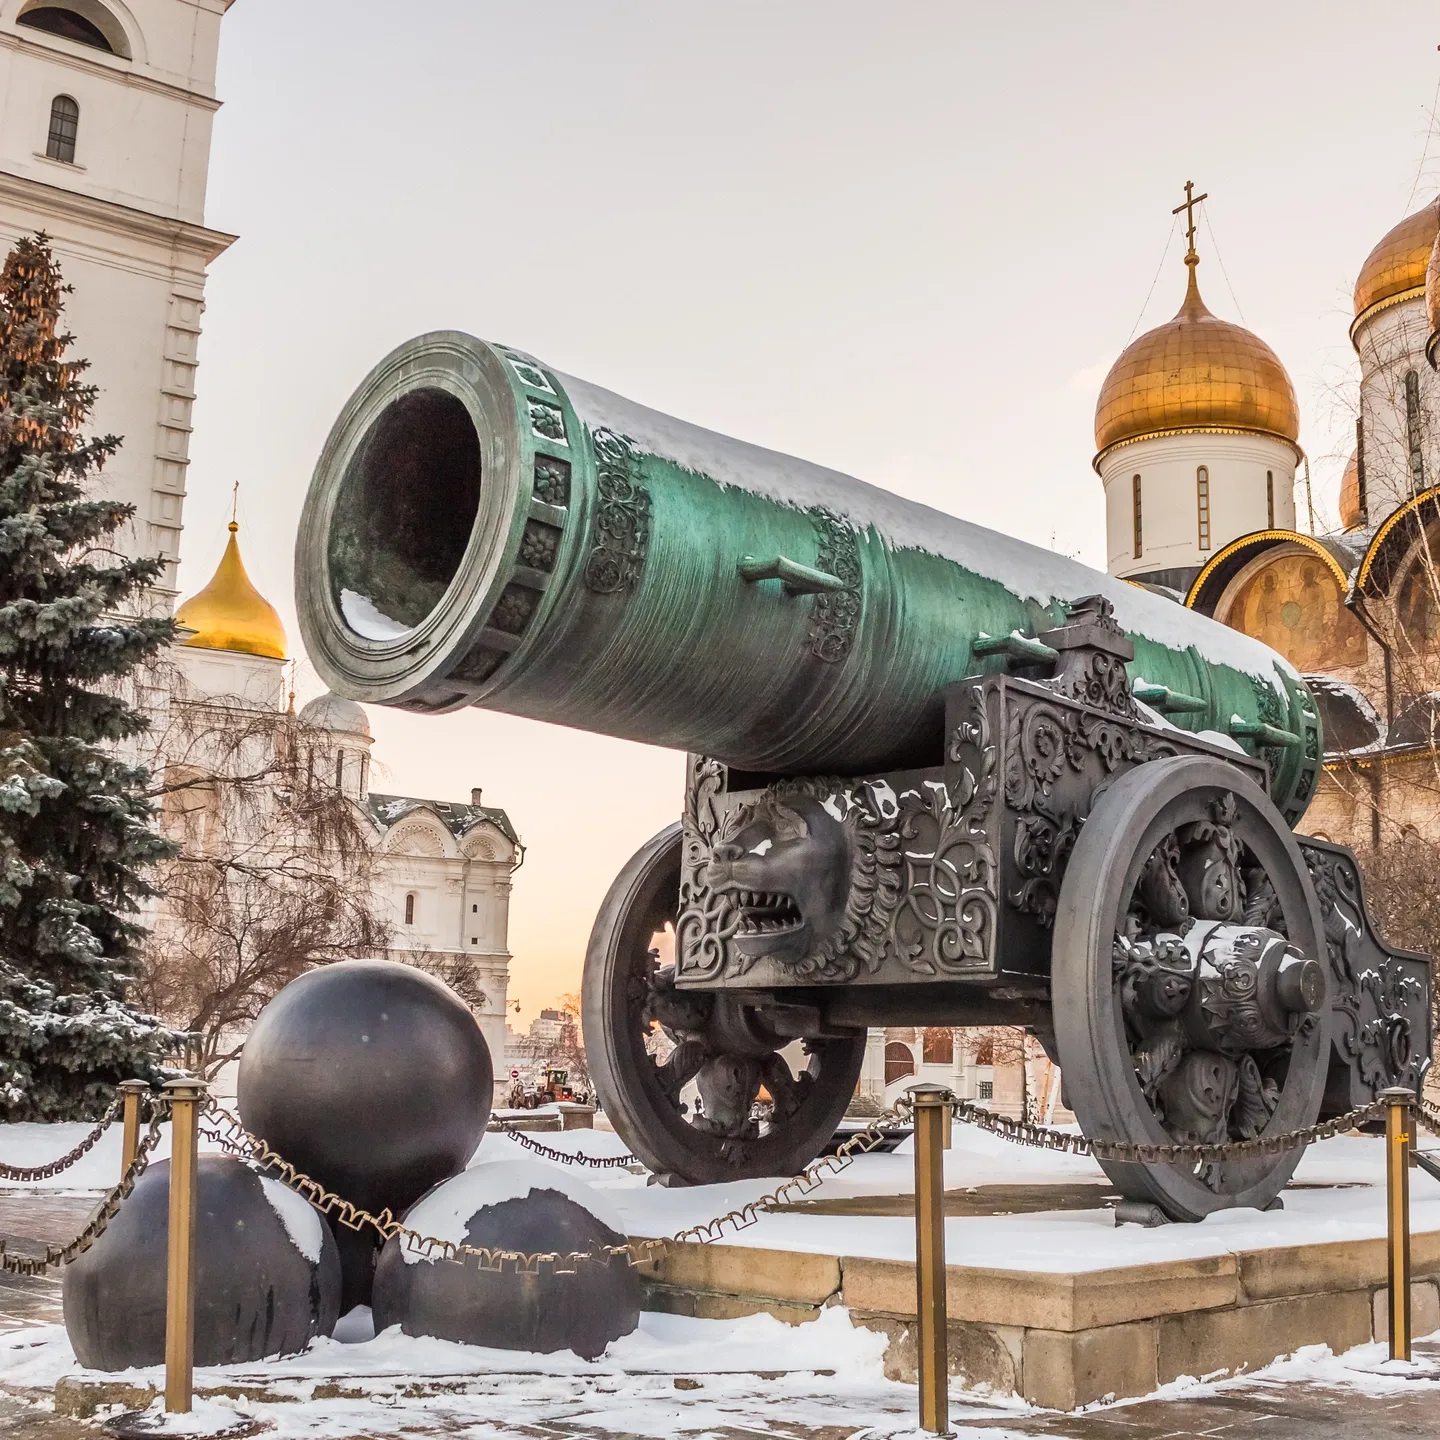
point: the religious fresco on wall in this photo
(1294, 605)
(1417, 605)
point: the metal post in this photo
(932, 1108)
(133, 1091)
(1398, 1124)
(185, 1097)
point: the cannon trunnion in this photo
(937, 777)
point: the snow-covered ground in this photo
(673, 1377)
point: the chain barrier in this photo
(226, 1130)
(1026, 1132)
(1428, 1115)
(103, 1214)
(25, 1173)
(565, 1157)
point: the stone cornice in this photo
(1172, 431)
(113, 68)
(116, 218)
(1415, 292)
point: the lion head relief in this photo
(812, 870)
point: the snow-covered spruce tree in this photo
(76, 834)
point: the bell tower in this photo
(105, 119)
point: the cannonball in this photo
(513, 1202)
(267, 1273)
(370, 1076)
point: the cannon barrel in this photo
(482, 530)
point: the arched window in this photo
(410, 908)
(339, 769)
(1202, 504)
(64, 127)
(1139, 532)
(1269, 499)
(938, 1048)
(81, 22)
(899, 1062)
(1360, 470)
(1413, 433)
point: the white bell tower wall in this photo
(1399, 406)
(120, 189)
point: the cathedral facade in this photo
(1198, 441)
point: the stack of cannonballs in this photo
(374, 1079)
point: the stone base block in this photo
(1071, 1339)
(1424, 1310)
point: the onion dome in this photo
(1432, 304)
(230, 613)
(1195, 373)
(1352, 513)
(333, 712)
(1395, 269)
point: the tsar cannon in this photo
(936, 777)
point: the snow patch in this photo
(298, 1216)
(491, 1180)
(1216, 737)
(366, 620)
(1026, 570)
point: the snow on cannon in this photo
(938, 777)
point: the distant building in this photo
(1197, 436)
(442, 871)
(979, 1064)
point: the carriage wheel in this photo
(653, 1049)
(1188, 985)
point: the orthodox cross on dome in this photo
(1191, 201)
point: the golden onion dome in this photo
(1432, 304)
(1352, 512)
(230, 613)
(1395, 269)
(1195, 373)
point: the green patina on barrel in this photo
(483, 530)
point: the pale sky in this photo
(905, 240)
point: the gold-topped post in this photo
(133, 1091)
(1399, 1120)
(186, 1097)
(932, 1109)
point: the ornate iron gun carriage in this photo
(937, 777)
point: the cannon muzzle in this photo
(482, 530)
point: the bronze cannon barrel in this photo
(483, 530)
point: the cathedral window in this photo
(1360, 470)
(1269, 499)
(899, 1062)
(69, 24)
(1139, 531)
(1412, 431)
(1202, 504)
(64, 127)
(410, 908)
(937, 1046)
